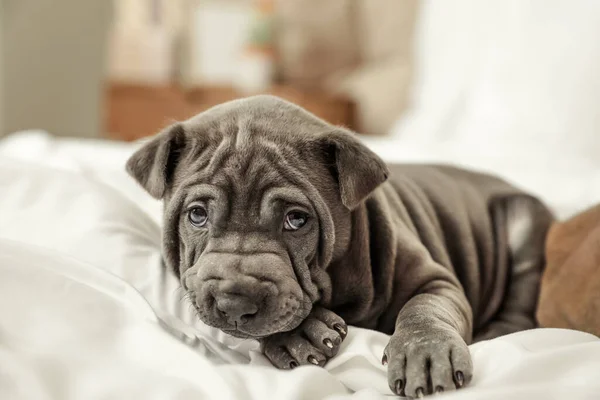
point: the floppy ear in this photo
(358, 170)
(152, 166)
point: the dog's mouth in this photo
(242, 335)
(292, 322)
(271, 319)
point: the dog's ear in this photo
(153, 165)
(358, 170)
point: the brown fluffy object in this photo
(570, 291)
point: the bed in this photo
(87, 312)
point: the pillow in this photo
(512, 87)
(508, 74)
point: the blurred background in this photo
(488, 71)
(123, 69)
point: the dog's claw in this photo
(341, 330)
(439, 389)
(420, 392)
(399, 386)
(313, 360)
(460, 379)
(384, 360)
(314, 342)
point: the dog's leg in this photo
(315, 341)
(527, 223)
(428, 351)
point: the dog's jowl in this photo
(287, 229)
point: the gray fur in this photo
(427, 255)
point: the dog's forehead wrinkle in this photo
(246, 185)
(290, 194)
(243, 133)
(249, 128)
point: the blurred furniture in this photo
(347, 61)
(135, 111)
(359, 48)
(53, 64)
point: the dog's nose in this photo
(236, 308)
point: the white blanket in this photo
(87, 313)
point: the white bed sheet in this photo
(86, 311)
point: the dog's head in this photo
(258, 196)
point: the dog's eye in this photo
(198, 216)
(295, 220)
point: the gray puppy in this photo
(284, 228)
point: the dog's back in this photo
(489, 232)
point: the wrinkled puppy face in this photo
(248, 234)
(253, 192)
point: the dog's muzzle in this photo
(246, 295)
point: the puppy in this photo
(284, 228)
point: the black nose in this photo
(236, 308)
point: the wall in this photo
(1, 69)
(53, 60)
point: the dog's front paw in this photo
(419, 364)
(314, 342)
